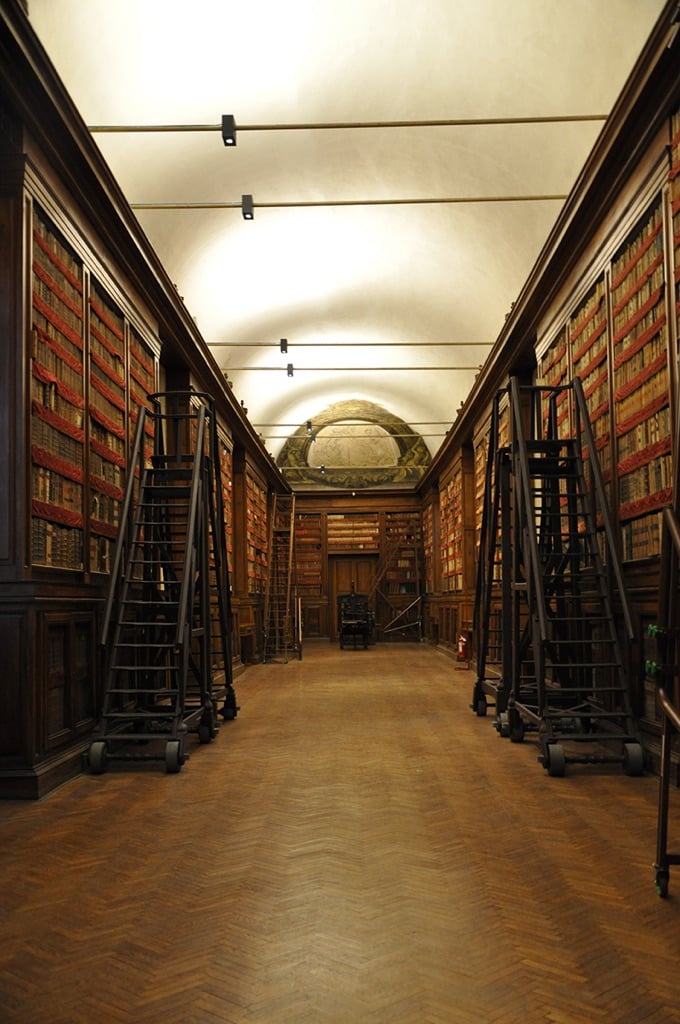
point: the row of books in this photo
(55, 545)
(46, 435)
(50, 486)
(357, 531)
(634, 256)
(654, 387)
(643, 288)
(105, 508)
(641, 537)
(101, 550)
(649, 478)
(106, 318)
(58, 335)
(61, 253)
(592, 359)
(555, 359)
(654, 428)
(596, 388)
(640, 330)
(586, 318)
(67, 307)
(50, 398)
(142, 366)
(627, 371)
(113, 362)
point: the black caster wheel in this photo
(207, 727)
(661, 880)
(174, 759)
(516, 726)
(633, 759)
(555, 760)
(230, 708)
(503, 724)
(97, 757)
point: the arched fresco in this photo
(354, 444)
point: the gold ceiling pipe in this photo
(460, 122)
(301, 203)
(354, 344)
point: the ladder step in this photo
(149, 669)
(117, 716)
(150, 500)
(145, 646)
(134, 692)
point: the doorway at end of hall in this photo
(345, 571)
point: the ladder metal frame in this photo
(667, 670)
(398, 623)
(557, 718)
(492, 680)
(283, 636)
(144, 548)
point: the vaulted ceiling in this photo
(406, 162)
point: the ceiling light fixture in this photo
(283, 344)
(228, 130)
(247, 207)
(289, 369)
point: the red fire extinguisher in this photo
(462, 647)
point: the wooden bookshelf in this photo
(452, 531)
(107, 430)
(481, 456)
(674, 195)
(141, 384)
(227, 478)
(57, 401)
(353, 531)
(403, 552)
(82, 423)
(554, 369)
(429, 554)
(641, 383)
(256, 535)
(309, 573)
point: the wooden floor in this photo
(356, 848)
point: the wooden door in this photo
(345, 571)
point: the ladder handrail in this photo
(523, 456)
(187, 575)
(672, 532)
(583, 426)
(121, 539)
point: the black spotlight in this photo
(228, 130)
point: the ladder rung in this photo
(145, 668)
(135, 691)
(141, 716)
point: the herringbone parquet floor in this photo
(356, 848)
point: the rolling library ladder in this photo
(549, 645)
(402, 616)
(282, 626)
(664, 669)
(167, 623)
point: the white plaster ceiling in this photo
(397, 303)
